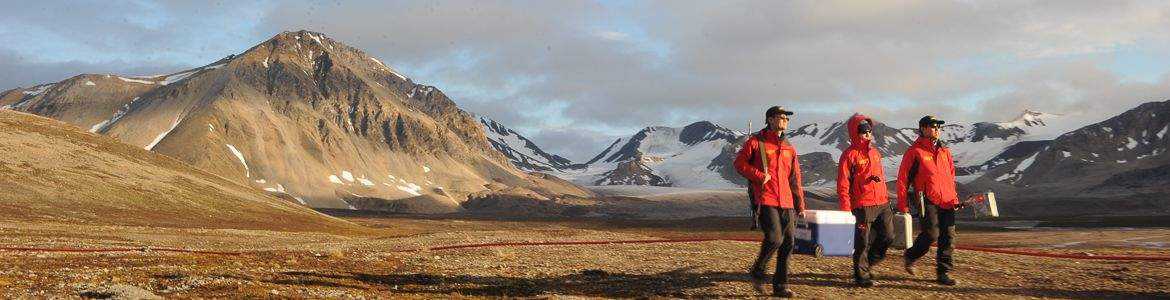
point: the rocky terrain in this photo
(403, 259)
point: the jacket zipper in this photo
(872, 192)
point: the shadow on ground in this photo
(586, 283)
(677, 283)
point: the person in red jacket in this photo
(777, 193)
(929, 169)
(861, 188)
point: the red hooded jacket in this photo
(858, 163)
(783, 167)
(933, 170)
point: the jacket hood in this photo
(852, 124)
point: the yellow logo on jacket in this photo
(863, 161)
(770, 152)
(927, 157)
(786, 153)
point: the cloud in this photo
(46, 41)
(612, 35)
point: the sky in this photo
(575, 75)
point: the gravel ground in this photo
(395, 264)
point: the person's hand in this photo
(801, 214)
(767, 177)
(874, 178)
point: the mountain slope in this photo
(302, 115)
(54, 172)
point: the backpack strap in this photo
(763, 152)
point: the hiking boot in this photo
(908, 264)
(782, 293)
(865, 283)
(759, 284)
(943, 279)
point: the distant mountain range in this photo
(699, 155)
(1036, 154)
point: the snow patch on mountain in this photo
(163, 135)
(38, 90)
(117, 115)
(240, 156)
(135, 80)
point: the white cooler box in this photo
(903, 231)
(825, 233)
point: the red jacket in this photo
(858, 163)
(933, 171)
(783, 166)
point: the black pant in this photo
(779, 226)
(871, 238)
(937, 224)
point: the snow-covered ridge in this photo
(175, 77)
(520, 150)
(680, 156)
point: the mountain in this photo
(1133, 141)
(659, 142)
(302, 115)
(521, 151)
(54, 172)
(660, 156)
(1115, 166)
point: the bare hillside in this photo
(53, 172)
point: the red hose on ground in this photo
(563, 243)
(691, 240)
(97, 250)
(1065, 255)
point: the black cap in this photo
(864, 127)
(928, 121)
(775, 110)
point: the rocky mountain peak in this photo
(705, 131)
